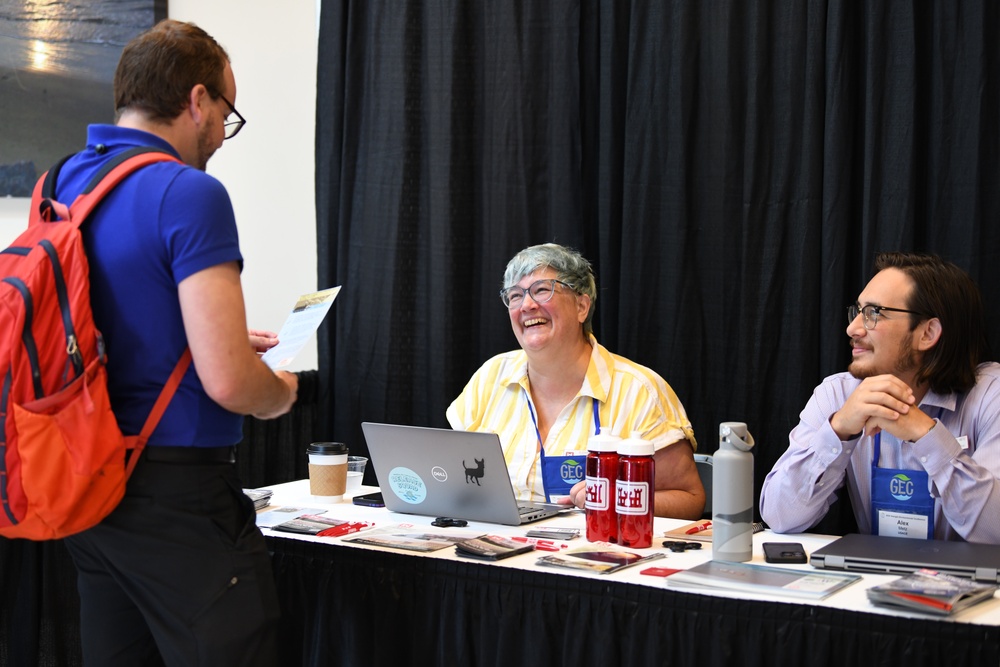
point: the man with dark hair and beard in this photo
(913, 429)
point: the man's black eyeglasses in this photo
(233, 127)
(870, 313)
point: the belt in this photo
(166, 454)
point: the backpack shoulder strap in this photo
(138, 442)
(45, 207)
(47, 183)
(113, 173)
(43, 204)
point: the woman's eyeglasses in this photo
(541, 291)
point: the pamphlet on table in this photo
(701, 531)
(272, 517)
(322, 526)
(932, 592)
(751, 578)
(261, 497)
(599, 557)
(409, 538)
(492, 547)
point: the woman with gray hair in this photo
(546, 399)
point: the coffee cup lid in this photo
(330, 448)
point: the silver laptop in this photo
(900, 555)
(444, 473)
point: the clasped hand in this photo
(882, 402)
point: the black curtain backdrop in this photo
(730, 167)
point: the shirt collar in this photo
(596, 384)
(116, 138)
(946, 402)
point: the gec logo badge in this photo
(901, 487)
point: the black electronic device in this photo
(784, 552)
(370, 500)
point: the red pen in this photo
(540, 544)
(698, 528)
(344, 529)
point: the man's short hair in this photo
(159, 68)
(570, 267)
(944, 291)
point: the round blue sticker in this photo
(407, 485)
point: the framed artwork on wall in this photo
(57, 65)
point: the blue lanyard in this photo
(555, 470)
(538, 435)
(877, 442)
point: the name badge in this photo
(902, 524)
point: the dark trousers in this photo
(178, 574)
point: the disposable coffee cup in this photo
(327, 470)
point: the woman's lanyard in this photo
(560, 473)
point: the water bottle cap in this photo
(636, 447)
(602, 442)
(734, 436)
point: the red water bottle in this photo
(634, 493)
(602, 473)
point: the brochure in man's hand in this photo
(932, 592)
(305, 318)
(491, 547)
(751, 578)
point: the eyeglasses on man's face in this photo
(541, 291)
(232, 127)
(870, 313)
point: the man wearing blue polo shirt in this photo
(178, 573)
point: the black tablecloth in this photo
(349, 606)
(364, 607)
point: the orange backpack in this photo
(62, 455)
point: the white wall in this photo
(269, 168)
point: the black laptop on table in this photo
(901, 555)
(444, 473)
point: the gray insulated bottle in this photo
(732, 494)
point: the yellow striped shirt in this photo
(632, 399)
